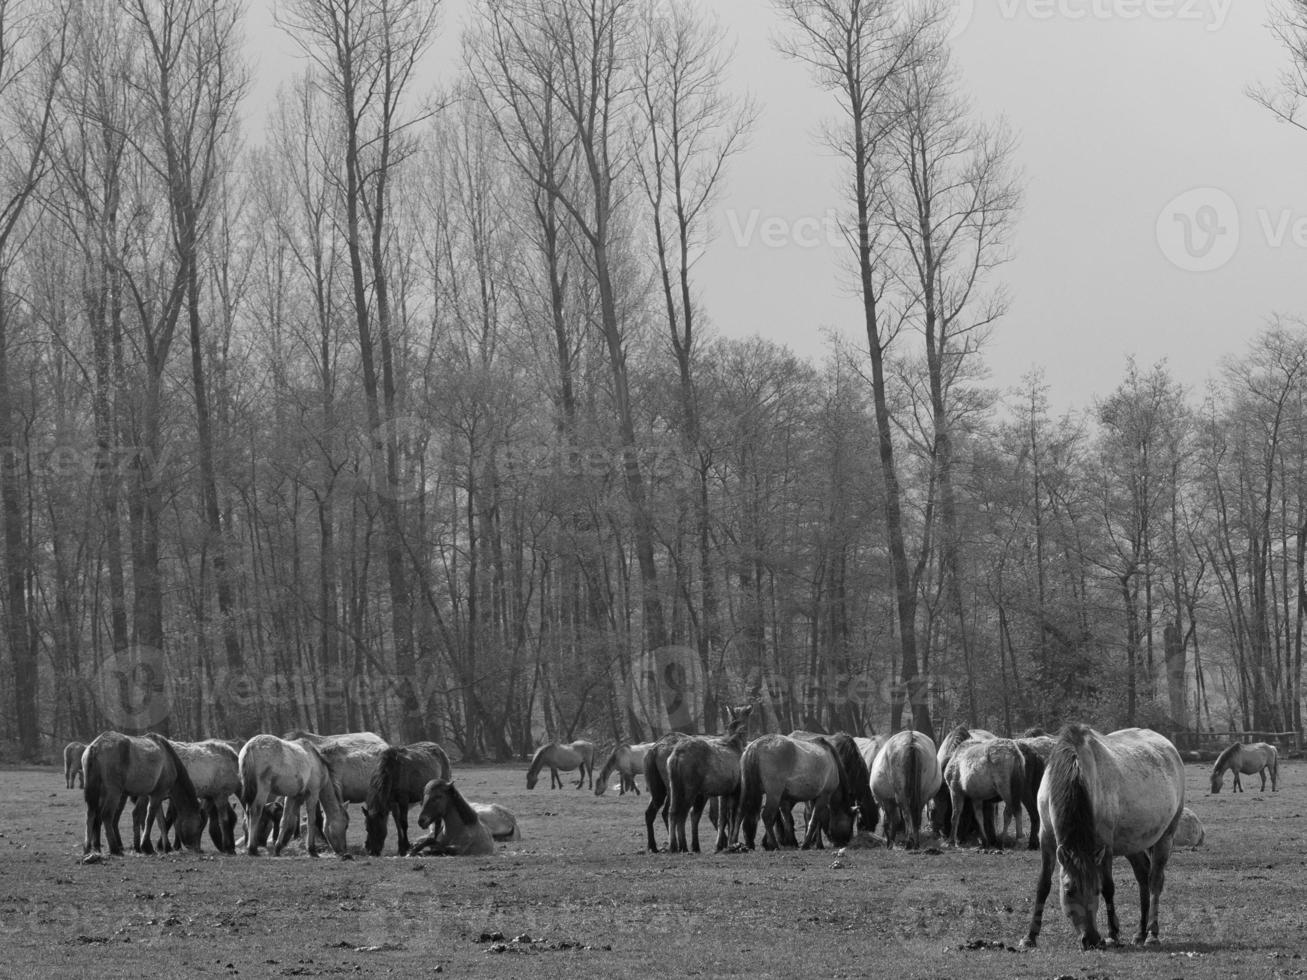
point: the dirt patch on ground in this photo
(578, 896)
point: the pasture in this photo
(582, 898)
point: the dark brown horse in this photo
(117, 766)
(399, 781)
(456, 828)
(859, 777)
(655, 781)
(703, 767)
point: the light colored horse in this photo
(979, 772)
(777, 770)
(699, 768)
(352, 757)
(1189, 832)
(941, 807)
(1259, 757)
(73, 764)
(904, 776)
(497, 819)
(1107, 796)
(627, 760)
(456, 828)
(573, 755)
(117, 766)
(272, 766)
(214, 768)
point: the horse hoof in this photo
(1152, 941)
(346, 857)
(1029, 942)
(95, 857)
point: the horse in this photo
(656, 781)
(702, 767)
(780, 769)
(858, 771)
(1259, 757)
(456, 829)
(574, 755)
(497, 819)
(296, 769)
(402, 774)
(1107, 796)
(627, 760)
(870, 748)
(941, 807)
(982, 772)
(1189, 832)
(116, 766)
(214, 768)
(73, 765)
(904, 776)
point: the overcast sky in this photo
(1161, 204)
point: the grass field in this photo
(583, 899)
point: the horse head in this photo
(435, 803)
(375, 821)
(1082, 884)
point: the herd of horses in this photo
(183, 786)
(1088, 797)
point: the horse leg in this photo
(812, 836)
(770, 810)
(1109, 900)
(984, 814)
(1238, 783)
(1158, 856)
(651, 814)
(290, 821)
(959, 804)
(1042, 886)
(1262, 772)
(111, 809)
(399, 814)
(1139, 863)
(696, 814)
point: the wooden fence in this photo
(1213, 743)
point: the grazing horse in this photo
(1258, 757)
(398, 782)
(982, 772)
(870, 748)
(702, 767)
(577, 755)
(627, 760)
(499, 820)
(1189, 832)
(214, 768)
(904, 776)
(272, 766)
(778, 769)
(455, 826)
(858, 771)
(941, 809)
(1105, 796)
(117, 766)
(73, 764)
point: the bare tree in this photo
(368, 52)
(1286, 96)
(860, 50)
(689, 127)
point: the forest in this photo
(406, 414)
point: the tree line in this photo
(406, 414)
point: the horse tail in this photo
(751, 790)
(93, 778)
(911, 798)
(249, 779)
(381, 785)
(182, 779)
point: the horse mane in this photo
(1224, 758)
(854, 767)
(537, 760)
(1073, 806)
(1035, 732)
(464, 808)
(182, 778)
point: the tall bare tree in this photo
(860, 50)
